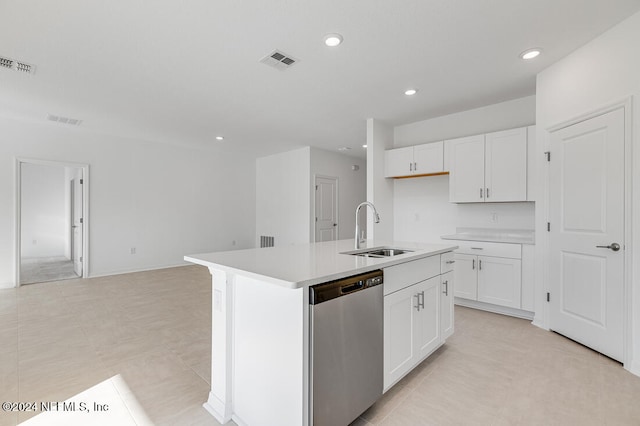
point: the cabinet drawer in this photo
(400, 276)
(481, 248)
(446, 262)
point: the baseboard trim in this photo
(503, 310)
(634, 368)
(216, 408)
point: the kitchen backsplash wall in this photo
(422, 211)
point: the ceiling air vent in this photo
(64, 120)
(279, 60)
(12, 64)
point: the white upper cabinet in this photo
(466, 172)
(505, 162)
(415, 160)
(488, 168)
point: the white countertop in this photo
(302, 265)
(512, 236)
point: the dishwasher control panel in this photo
(327, 291)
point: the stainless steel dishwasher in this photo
(346, 348)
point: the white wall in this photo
(44, 220)
(505, 115)
(379, 189)
(167, 201)
(603, 71)
(283, 191)
(352, 187)
(422, 210)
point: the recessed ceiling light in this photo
(332, 40)
(219, 138)
(530, 54)
(364, 146)
(410, 92)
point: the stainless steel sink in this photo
(379, 252)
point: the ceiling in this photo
(184, 73)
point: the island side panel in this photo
(219, 403)
(270, 353)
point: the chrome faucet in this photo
(359, 239)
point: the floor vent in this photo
(64, 120)
(18, 66)
(266, 241)
(279, 60)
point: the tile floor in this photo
(42, 269)
(141, 343)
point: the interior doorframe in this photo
(627, 333)
(337, 198)
(18, 221)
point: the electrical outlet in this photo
(494, 217)
(233, 243)
(34, 242)
(133, 250)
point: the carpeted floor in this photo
(41, 269)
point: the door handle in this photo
(612, 246)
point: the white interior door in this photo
(326, 208)
(587, 217)
(77, 225)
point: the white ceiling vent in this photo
(279, 60)
(12, 64)
(64, 120)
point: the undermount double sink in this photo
(378, 252)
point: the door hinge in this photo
(81, 220)
(81, 181)
(316, 219)
(316, 187)
(548, 226)
(548, 297)
(80, 258)
(548, 154)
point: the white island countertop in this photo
(303, 265)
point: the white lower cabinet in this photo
(495, 276)
(499, 281)
(411, 327)
(418, 316)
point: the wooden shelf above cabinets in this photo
(422, 175)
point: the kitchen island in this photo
(260, 320)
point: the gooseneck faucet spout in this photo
(359, 239)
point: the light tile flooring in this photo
(42, 269)
(141, 342)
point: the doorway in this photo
(51, 221)
(587, 232)
(326, 208)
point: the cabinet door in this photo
(446, 305)
(499, 281)
(427, 319)
(465, 275)
(506, 165)
(466, 169)
(398, 162)
(428, 158)
(399, 349)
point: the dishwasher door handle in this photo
(351, 288)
